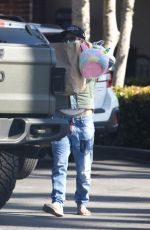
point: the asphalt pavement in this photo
(120, 196)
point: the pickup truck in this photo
(27, 103)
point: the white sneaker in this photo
(55, 209)
(82, 210)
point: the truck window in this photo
(25, 36)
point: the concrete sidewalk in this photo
(120, 197)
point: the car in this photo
(106, 112)
(27, 103)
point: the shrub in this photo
(134, 130)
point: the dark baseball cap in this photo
(76, 30)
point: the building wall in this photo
(52, 6)
(51, 13)
(44, 11)
(16, 7)
(38, 11)
(141, 31)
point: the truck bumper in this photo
(109, 126)
(20, 131)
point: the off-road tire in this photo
(8, 173)
(26, 166)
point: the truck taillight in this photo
(2, 23)
(109, 79)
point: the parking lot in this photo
(120, 197)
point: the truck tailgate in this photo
(25, 80)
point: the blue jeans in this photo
(80, 141)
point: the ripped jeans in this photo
(80, 142)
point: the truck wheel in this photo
(26, 166)
(8, 173)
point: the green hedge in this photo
(134, 130)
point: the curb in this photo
(121, 153)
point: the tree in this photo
(110, 29)
(81, 15)
(112, 36)
(124, 42)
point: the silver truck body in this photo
(25, 80)
(27, 102)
